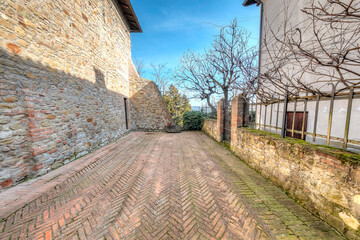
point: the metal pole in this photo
(277, 115)
(294, 117)
(265, 118)
(260, 116)
(244, 113)
(254, 109)
(316, 116)
(271, 110)
(224, 122)
(330, 115)
(286, 100)
(348, 115)
(304, 117)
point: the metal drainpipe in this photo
(261, 32)
(260, 40)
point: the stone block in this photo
(50, 116)
(13, 48)
(4, 119)
(5, 134)
(7, 183)
(10, 99)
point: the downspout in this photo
(260, 43)
(261, 33)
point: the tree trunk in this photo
(213, 109)
(226, 112)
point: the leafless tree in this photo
(193, 75)
(230, 63)
(322, 50)
(234, 63)
(140, 67)
(161, 76)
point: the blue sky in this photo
(171, 27)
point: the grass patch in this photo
(343, 155)
(26, 179)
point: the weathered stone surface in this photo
(11, 99)
(319, 180)
(57, 71)
(6, 183)
(7, 106)
(349, 220)
(211, 128)
(357, 199)
(148, 111)
(13, 48)
(4, 120)
(5, 134)
(324, 181)
(16, 126)
(30, 75)
(50, 116)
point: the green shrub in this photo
(212, 115)
(193, 120)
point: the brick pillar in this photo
(239, 115)
(220, 119)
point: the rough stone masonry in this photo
(325, 181)
(64, 82)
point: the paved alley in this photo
(156, 186)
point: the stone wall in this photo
(325, 181)
(211, 128)
(148, 111)
(215, 128)
(63, 79)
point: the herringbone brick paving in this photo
(156, 186)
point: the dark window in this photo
(126, 113)
(298, 124)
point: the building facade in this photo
(64, 82)
(279, 17)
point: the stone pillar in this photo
(239, 115)
(220, 118)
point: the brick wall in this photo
(63, 78)
(148, 111)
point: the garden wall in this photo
(325, 181)
(211, 128)
(215, 127)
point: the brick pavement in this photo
(155, 186)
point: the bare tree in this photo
(229, 64)
(161, 76)
(234, 63)
(322, 50)
(140, 67)
(193, 75)
(234, 60)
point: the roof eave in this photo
(130, 15)
(251, 2)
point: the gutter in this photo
(261, 34)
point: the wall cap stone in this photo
(326, 151)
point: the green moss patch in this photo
(337, 152)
